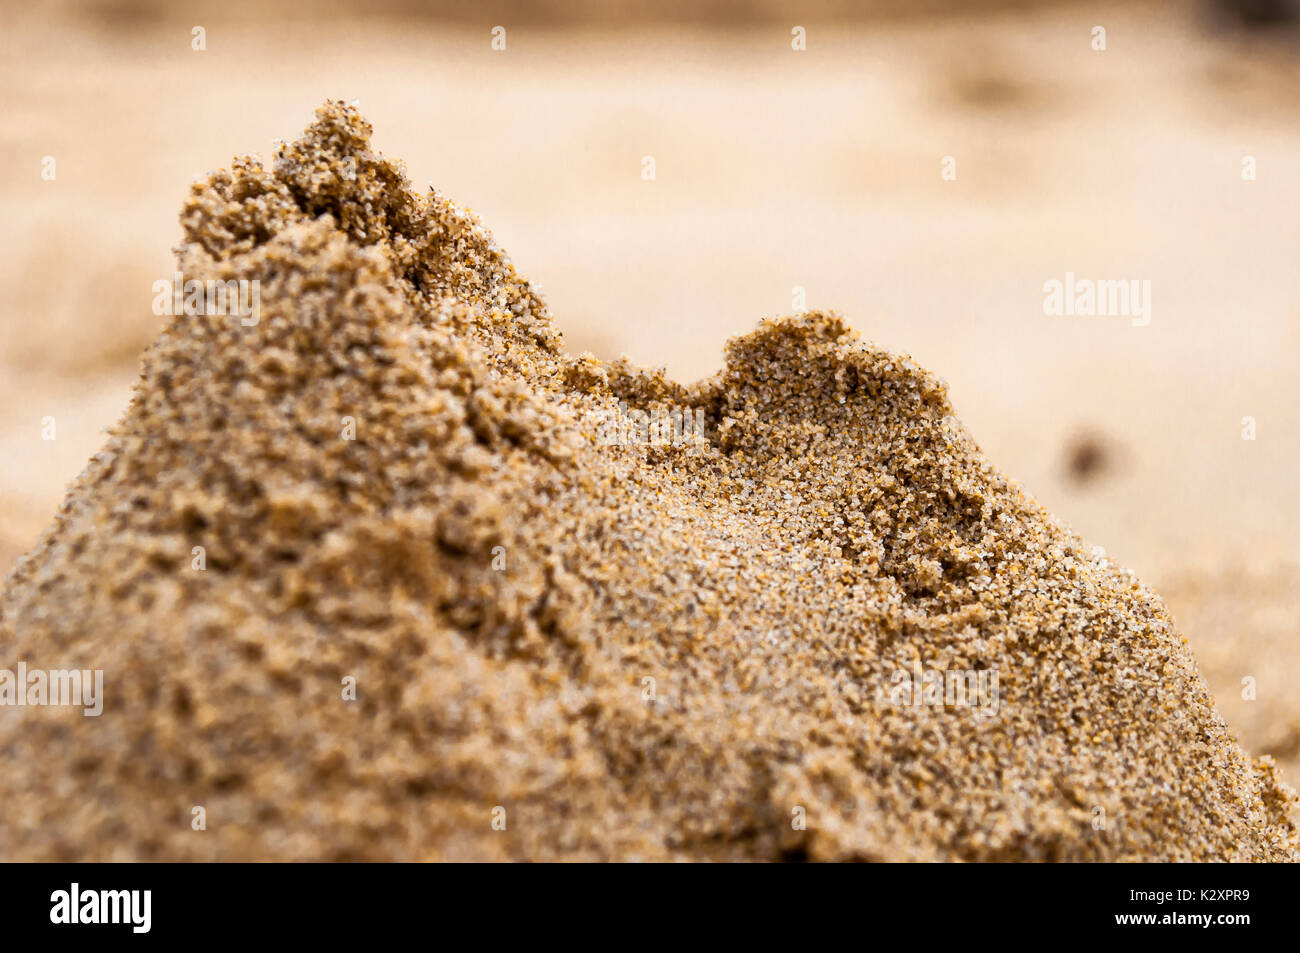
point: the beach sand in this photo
(451, 600)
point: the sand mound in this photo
(605, 637)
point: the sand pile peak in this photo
(386, 574)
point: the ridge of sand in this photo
(645, 651)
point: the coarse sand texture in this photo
(564, 645)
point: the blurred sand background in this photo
(774, 169)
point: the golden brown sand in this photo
(614, 652)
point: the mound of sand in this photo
(568, 640)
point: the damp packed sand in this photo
(563, 646)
